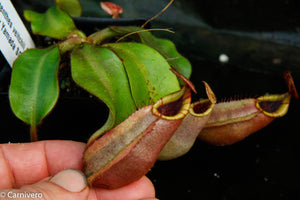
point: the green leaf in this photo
(54, 23)
(72, 7)
(34, 85)
(101, 72)
(165, 47)
(148, 72)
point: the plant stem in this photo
(101, 35)
(33, 134)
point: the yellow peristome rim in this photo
(207, 111)
(185, 94)
(211, 99)
(282, 109)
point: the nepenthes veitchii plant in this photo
(143, 80)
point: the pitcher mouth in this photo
(274, 105)
(201, 108)
(174, 106)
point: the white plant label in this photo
(14, 37)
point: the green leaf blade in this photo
(34, 85)
(72, 7)
(148, 72)
(167, 49)
(164, 46)
(54, 23)
(101, 72)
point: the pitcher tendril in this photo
(158, 14)
(141, 31)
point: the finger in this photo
(27, 163)
(69, 184)
(141, 189)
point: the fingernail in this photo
(72, 180)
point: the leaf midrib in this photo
(37, 81)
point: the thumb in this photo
(69, 184)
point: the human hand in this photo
(44, 169)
